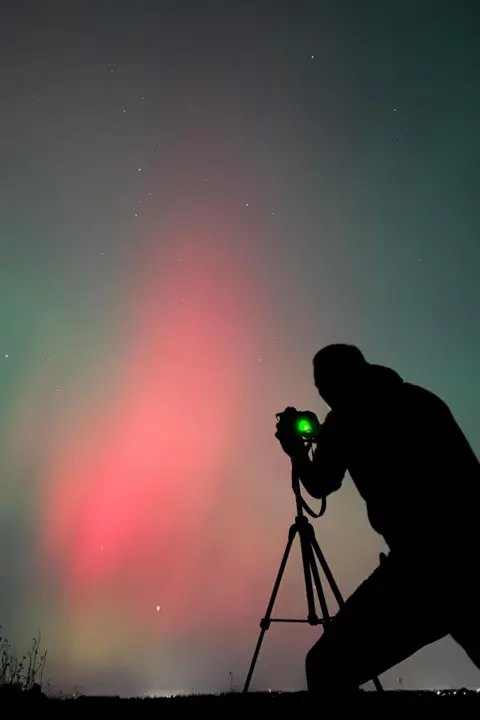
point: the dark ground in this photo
(255, 703)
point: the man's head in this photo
(337, 370)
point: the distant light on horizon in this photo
(165, 693)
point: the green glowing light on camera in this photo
(304, 426)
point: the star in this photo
(158, 608)
(6, 355)
(139, 169)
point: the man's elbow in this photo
(324, 484)
(315, 492)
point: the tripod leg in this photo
(335, 589)
(328, 573)
(265, 622)
(319, 588)
(308, 563)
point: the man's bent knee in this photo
(325, 669)
(321, 665)
(314, 667)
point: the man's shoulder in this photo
(388, 384)
(425, 405)
(419, 394)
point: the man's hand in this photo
(292, 444)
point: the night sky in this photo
(195, 197)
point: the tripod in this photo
(311, 554)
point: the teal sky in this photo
(194, 198)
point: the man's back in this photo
(411, 462)
(421, 482)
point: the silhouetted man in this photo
(420, 480)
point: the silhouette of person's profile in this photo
(420, 480)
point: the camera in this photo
(303, 423)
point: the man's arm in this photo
(325, 472)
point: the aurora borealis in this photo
(194, 198)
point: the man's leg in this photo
(468, 637)
(389, 617)
(464, 611)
